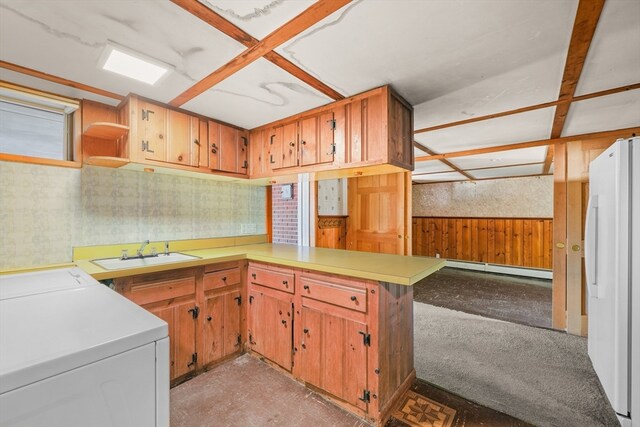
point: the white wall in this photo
(527, 197)
(46, 210)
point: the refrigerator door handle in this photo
(591, 246)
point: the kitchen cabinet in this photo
(183, 135)
(373, 129)
(172, 297)
(221, 314)
(152, 122)
(257, 153)
(228, 148)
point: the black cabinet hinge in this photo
(245, 141)
(239, 300)
(250, 299)
(195, 311)
(366, 338)
(239, 340)
(366, 396)
(145, 114)
(194, 360)
(332, 124)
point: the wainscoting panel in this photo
(523, 242)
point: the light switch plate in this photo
(287, 192)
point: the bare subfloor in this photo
(245, 392)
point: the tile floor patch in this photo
(419, 411)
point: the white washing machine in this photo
(75, 353)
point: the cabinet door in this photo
(152, 129)
(400, 134)
(179, 138)
(256, 157)
(333, 355)
(214, 145)
(308, 141)
(270, 322)
(290, 145)
(326, 146)
(275, 147)
(376, 144)
(228, 149)
(221, 317)
(243, 153)
(184, 338)
(166, 314)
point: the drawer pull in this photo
(306, 287)
(224, 279)
(253, 275)
(305, 330)
(353, 298)
(285, 283)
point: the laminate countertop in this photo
(403, 270)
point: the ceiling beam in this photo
(618, 133)
(445, 161)
(202, 12)
(483, 168)
(531, 108)
(584, 27)
(59, 80)
(482, 179)
(315, 13)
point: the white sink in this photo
(119, 264)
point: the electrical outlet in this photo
(248, 229)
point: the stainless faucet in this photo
(144, 244)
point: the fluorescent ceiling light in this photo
(134, 65)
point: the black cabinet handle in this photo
(253, 275)
(353, 298)
(305, 330)
(285, 283)
(306, 287)
(284, 322)
(224, 279)
(209, 318)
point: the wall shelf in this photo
(106, 161)
(104, 130)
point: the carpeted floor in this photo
(540, 376)
(515, 299)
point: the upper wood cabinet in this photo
(152, 131)
(183, 134)
(374, 128)
(228, 148)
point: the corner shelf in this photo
(106, 161)
(104, 130)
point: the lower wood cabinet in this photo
(270, 324)
(203, 308)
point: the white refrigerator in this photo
(612, 263)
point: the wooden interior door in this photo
(228, 149)
(290, 145)
(308, 141)
(571, 193)
(153, 127)
(333, 354)
(179, 138)
(326, 146)
(379, 214)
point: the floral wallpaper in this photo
(45, 210)
(526, 197)
(332, 197)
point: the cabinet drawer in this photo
(280, 279)
(343, 296)
(163, 290)
(220, 279)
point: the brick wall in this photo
(285, 216)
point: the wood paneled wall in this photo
(523, 242)
(331, 232)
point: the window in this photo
(34, 124)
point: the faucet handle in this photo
(166, 247)
(125, 254)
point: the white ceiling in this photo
(452, 60)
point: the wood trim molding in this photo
(39, 161)
(584, 27)
(315, 13)
(480, 169)
(532, 107)
(59, 80)
(202, 12)
(618, 133)
(482, 179)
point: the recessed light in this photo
(128, 63)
